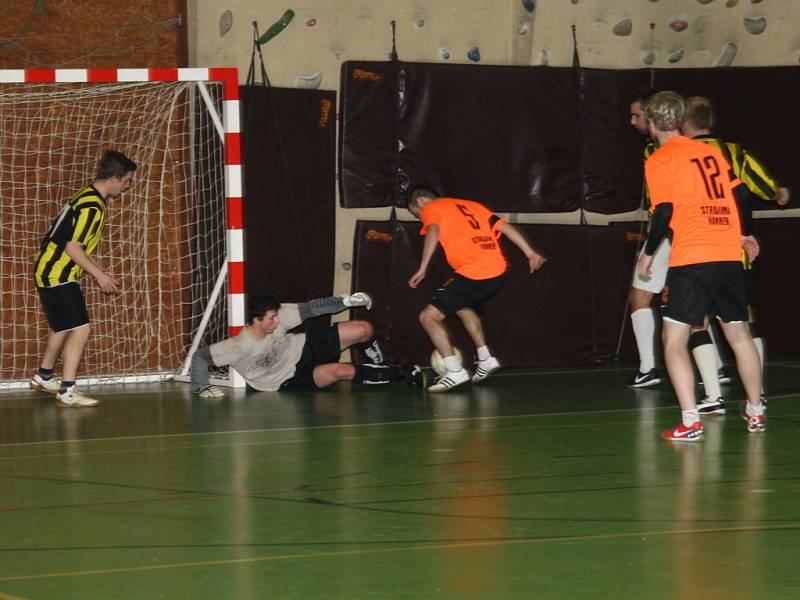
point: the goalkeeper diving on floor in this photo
(272, 359)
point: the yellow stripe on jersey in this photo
(81, 220)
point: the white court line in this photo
(347, 426)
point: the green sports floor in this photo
(535, 484)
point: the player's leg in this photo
(704, 354)
(447, 300)
(44, 379)
(476, 293)
(328, 374)
(686, 306)
(731, 307)
(643, 318)
(67, 315)
(755, 330)
(432, 320)
(354, 332)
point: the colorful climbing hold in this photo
(474, 54)
(678, 25)
(623, 28)
(755, 25)
(529, 5)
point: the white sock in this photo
(690, 417)
(754, 411)
(483, 352)
(644, 330)
(759, 342)
(707, 365)
(451, 363)
(716, 346)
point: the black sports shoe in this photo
(416, 376)
(644, 379)
(707, 406)
(722, 376)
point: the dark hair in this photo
(114, 164)
(258, 303)
(700, 113)
(418, 193)
(641, 95)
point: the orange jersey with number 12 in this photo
(468, 234)
(698, 181)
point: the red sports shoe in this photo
(754, 424)
(681, 433)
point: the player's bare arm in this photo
(535, 259)
(105, 281)
(428, 248)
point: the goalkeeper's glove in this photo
(357, 299)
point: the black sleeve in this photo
(744, 202)
(659, 227)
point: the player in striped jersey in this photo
(699, 122)
(643, 289)
(64, 256)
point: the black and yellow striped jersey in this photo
(749, 169)
(81, 220)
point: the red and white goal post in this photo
(174, 241)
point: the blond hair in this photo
(665, 110)
(700, 113)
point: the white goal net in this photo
(165, 238)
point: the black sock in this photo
(372, 351)
(65, 385)
(377, 374)
(46, 374)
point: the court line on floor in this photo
(412, 548)
(371, 424)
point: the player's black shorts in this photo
(321, 347)
(64, 306)
(749, 286)
(460, 292)
(714, 288)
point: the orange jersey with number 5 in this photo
(469, 236)
(699, 182)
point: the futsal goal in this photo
(173, 241)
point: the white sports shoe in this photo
(359, 299)
(449, 380)
(484, 368)
(72, 398)
(50, 386)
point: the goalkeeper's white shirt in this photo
(265, 364)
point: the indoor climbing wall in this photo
(625, 34)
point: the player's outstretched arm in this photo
(333, 304)
(201, 360)
(535, 259)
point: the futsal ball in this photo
(437, 362)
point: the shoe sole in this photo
(65, 405)
(41, 388)
(645, 384)
(716, 411)
(476, 379)
(446, 389)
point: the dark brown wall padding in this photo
(291, 257)
(536, 139)
(567, 313)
